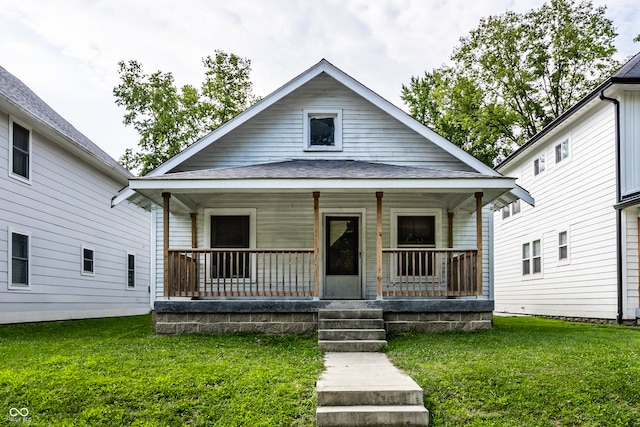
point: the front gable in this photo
(366, 133)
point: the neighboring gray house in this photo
(65, 253)
(575, 254)
(321, 192)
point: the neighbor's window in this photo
(323, 130)
(88, 261)
(538, 165)
(21, 151)
(511, 209)
(506, 212)
(131, 270)
(562, 151)
(531, 258)
(416, 231)
(19, 253)
(563, 246)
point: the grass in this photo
(526, 372)
(113, 372)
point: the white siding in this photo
(369, 134)
(630, 142)
(577, 195)
(286, 221)
(631, 217)
(67, 205)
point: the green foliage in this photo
(115, 372)
(526, 372)
(513, 75)
(169, 119)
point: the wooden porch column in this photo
(194, 230)
(450, 225)
(379, 243)
(479, 242)
(165, 235)
(316, 245)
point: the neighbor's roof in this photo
(17, 96)
(629, 73)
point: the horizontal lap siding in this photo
(575, 196)
(67, 206)
(286, 221)
(630, 260)
(276, 134)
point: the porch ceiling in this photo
(457, 188)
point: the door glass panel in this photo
(342, 246)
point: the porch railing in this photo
(231, 272)
(427, 272)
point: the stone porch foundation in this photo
(281, 317)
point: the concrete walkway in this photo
(365, 389)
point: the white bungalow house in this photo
(575, 254)
(64, 252)
(321, 192)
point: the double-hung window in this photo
(20, 155)
(531, 258)
(131, 270)
(230, 232)
(19, 253)
(538, 165)
(88, 261)
(563, 246)
(562, 150)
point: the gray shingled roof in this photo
(629, 71)
(18, 94)
(320, 169)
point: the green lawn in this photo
(114, 372)
(526, 372)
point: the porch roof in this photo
(328, 176)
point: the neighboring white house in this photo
(322, 191)
(65, 253)
(575, 254)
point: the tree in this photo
(513, 75)
(169, 119)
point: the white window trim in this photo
(394, 213)
(532, 275)
(135, 271)
(251, 213)
(566, 159)
(82, 270)
(10, 285)
(21, 178)
(567, 260)
(307, 115)
(542, 157)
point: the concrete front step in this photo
(333, 416)
(368, 313)
(350, 324)
(351, 334)
(352, 346)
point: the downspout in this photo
(616, 103)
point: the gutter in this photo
(618, 208)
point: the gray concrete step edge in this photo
(330, 416)
(352, 346)
(350, 324)
(369, 313)
(351, 334)
(371, 396)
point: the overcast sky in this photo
(67, 50)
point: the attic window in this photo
(323, 130)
